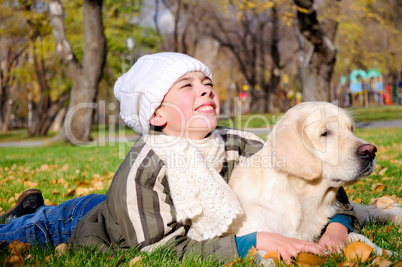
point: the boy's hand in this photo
(335, 238)
(287, 247)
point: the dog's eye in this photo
(326, 133)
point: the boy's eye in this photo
(186, 85)
(209, 84)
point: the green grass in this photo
(263, 120)
(377, 113)
(59, 169)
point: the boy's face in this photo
(190, 109)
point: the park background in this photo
(59, 59)
(59, 121)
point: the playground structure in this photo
(367, 89)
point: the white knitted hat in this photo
(141, 90)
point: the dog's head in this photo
(316, 140)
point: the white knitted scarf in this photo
(198, 191)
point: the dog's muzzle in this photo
(366, 153)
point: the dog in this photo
(289, 187)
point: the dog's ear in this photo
(290, 148)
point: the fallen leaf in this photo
(381, 201)
(137, 261)
(18, 248)
(14, 260)
(229, 264)
(358, 200)
(308, 259)
(120, 259)
(61, 249)
(358, 251)
(44, 167)
(344, 264)
(274, 255)
(382, 171)
(65, 167)
(381, 262)
(55, 192)
(378, 187)
(70, 192)
(252, 253)
(399, 264)
(49, 258)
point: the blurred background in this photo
(59, 59)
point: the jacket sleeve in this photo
(345, 209)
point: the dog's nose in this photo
(366, 152)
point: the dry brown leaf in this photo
(70, 192)
(48, 202)
(18, 248)
(358, 251)
(344, 264)
(274, 255)
(49, 258)
(378, 187)
(55, 192)
(80, 191)
(382, 171)
(65, 167)
(381, 262)
(61, 249)
(252, 253)
(119, 260)
(229, 264)
(137, 261)
(14, 260)
(308, 259)
(399, 264)
(358, 200)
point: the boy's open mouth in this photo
(207, 107)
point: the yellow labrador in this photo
(289, 186)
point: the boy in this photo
(172, 186)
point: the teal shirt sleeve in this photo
(245, 242)
(343, 219)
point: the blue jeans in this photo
(50, 225)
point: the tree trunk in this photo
(85, 78)
(274, 101)
(45, 110)
(321, 65)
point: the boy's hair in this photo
(141, 90)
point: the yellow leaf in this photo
(44, 167)
(273, 254)
(378, 187)
(70, 192)
(65, 167)
(61, 249)
(383, 202)
(358, 200)
(381, 262)
(308, 259)
(252, 253)
(358, 251)
(56, 192)
(382, 172)
(137, 261)
(344, 264)
(14, 260)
